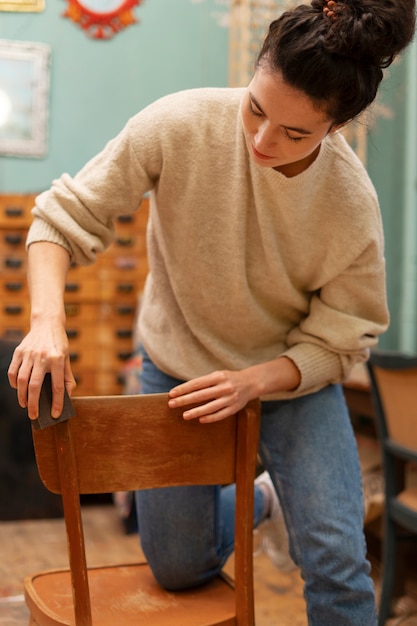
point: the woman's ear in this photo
(337, 127)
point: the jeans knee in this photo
(174, 579)
(176, 569)
(175, 575)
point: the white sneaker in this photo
(373, 495)
(274, 532)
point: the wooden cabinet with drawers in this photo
(100, 300)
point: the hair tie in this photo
(330, 9)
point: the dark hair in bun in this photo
(335, 50)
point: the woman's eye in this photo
(291, 138)
(253, 110)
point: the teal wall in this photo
(392, 165)
(97, 85)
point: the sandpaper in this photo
(45, 402)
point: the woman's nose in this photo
(264, 137)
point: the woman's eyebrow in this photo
(301, 131)
(256, 103)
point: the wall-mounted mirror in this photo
(24, 98)
(101, 19)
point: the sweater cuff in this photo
(318, 367)
(42, 231)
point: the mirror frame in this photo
(101, 25)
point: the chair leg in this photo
(388, 571)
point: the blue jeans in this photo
(308, 447)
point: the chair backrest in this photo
(124, 443)
(394, 388)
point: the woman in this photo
(266, 279)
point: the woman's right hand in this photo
(44, 349)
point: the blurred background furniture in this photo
(22, 495)
(393, 379)
(100, 299)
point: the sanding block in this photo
(45, 403)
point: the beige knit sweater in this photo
(245, 264)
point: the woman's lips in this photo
(259, 155)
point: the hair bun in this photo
(371, 31)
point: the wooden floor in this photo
(28, 546)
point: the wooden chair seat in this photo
(129, 595)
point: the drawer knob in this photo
(125, 310)
(13, 309)
(125, 288)
(72, 310)
(124, 333)
(17, 286)
(14, 211)
(13, 263)
(13, 239)
(72, 287)
(125, 219)
(124, 241)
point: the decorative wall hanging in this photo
(22, 5)
(249, 21)
(101, 19)
(24, 91)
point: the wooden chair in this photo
(118, 443)
(394, 393)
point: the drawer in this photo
(131, 229)
(108, 268)
(99, 357)
(92, 290)
(81, 290)
(14, 332)
(14, 261)
(14, 311)
(15, 210)
(128, 243)
(12, 241)
(136, 221)
(116, 337)
(94, 382)
(126, 290)
(123, 262)
(13, 286)
(86, 313)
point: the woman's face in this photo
(283, 128)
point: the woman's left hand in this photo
(223, 393)
(218, 395)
